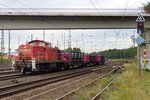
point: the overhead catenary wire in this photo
(134, 4)
(90, 0)
(33, 9)
(12, 9)
(103, 14)
(95, 7)
(122, 20)
(25, 14)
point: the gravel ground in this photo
(55, 91)
(4, 65)
(52, 95)
(37, 77)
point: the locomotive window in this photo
(41, 44)
(24, 50)
(33, 43)
(49, 46)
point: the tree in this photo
(120, 54)
(147, 7)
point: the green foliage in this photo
(5, 60)
(72, 49)
(2, 60)
(147, 7)
(129, 85)
(1, 54)
(123, 54)
(76, 50)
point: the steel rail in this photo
(12, 76)
(8, 72)
(60, 98)
(4, 69)
(12, 89)
(97, 97)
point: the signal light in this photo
(140, 28)
(145, 52)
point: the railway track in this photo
(71, 92)
(12, 76)
(6, 68)
(97, 97)
(12, 89)
(16, 74)
(8, 72)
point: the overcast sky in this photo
(95, 40)
(72, 3)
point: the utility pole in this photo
(52, 39)
(18, 41)
(9, 43)
(2, 42)
(91, 45)
(69, 40)
(57, 43)
(31, 37)
(43, 35)
(28, 37)
(64, 41)
(82, 43)
(95, 47)
(140, 30)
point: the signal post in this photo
(140, 40)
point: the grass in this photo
(129, 85)
(88, 92)
(5, 61)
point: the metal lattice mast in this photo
(2, 42)
(43, 35)
(31, 37)
(64, 41)
(52, 39)
(69, 39)
(9, 43)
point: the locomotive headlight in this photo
(33, 64)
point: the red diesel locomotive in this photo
(37, 55)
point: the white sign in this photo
(140, 18)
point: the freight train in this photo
(39, 55)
